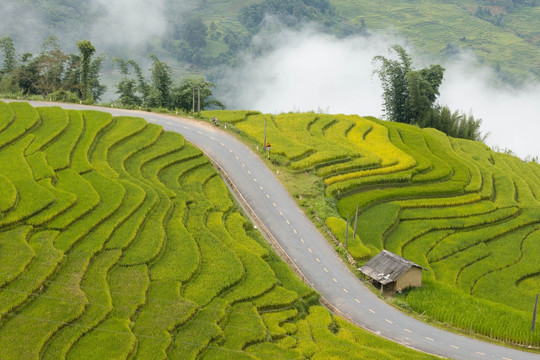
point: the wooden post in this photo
(193, 102)
(199, 101)
(355, 221)
(534, 313)
(347, 232)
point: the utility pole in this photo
(264, 144)
(355, 221)
(347, 232)
(534, 313)
(198, 101)
(193, 102)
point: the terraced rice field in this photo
(467, 214)
(119, 240)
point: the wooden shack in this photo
(391, 272)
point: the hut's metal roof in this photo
(387, 267)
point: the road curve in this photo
(309, 250)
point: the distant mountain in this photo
(200, 35)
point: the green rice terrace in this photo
(118, 240)
(469, 215)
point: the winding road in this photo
(301, 243)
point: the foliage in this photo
(161, 92)
(409, 97)
(393, 75)
(54, 74)
(126, 88)
(87, 50)
(186, 95)
(10, 62)
(160, 88)
(194, 32)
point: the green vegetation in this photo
(120, 240)
(409, 97)
(202, 36)
(446, 28)
(469, 215)
(52, 74)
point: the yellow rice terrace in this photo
(469, 215)
(118, 240)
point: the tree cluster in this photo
(58, 76)
(52, 73)
(409, 97)
(160, 92)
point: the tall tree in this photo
(161, 84)
(409, 96)
(87, 50)
(127, 87)
(423, 90)
(393, 75)
(96, 88)
(142, 86)
(50, 66)
(194, 32)
(8, 81)
(10, 61)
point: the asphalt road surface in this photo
(309, 250)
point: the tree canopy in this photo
(51, 72)
(409, 96)
(160, 90)
(87, 50)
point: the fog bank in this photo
(307, 70)
(128, 23)
(113, 26)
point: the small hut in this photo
(392, 272)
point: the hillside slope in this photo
(469, 215)
(119, 240)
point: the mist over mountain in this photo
(306, 70)
(117, 26)
(310, 56)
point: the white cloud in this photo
(128, 22)
(512, 116)
(306, 70)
